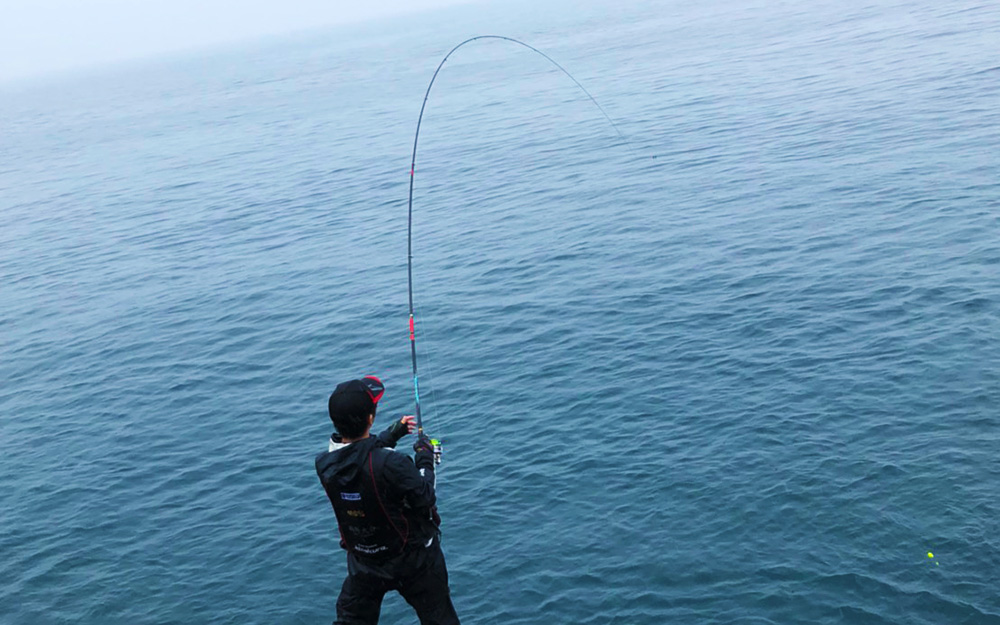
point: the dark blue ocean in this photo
(743, 371)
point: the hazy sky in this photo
(40, 36)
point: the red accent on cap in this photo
(374, 387)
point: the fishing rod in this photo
(413, 164)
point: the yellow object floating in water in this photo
(930, 555)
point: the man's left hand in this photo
(401, 428)
(410, 422)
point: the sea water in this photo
(743, 369)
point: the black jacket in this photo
(384, 502)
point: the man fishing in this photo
(384, 503)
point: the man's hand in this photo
(410, 422)
(423, 446)
(428, 452)
(401, 428)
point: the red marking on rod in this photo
(411, 172)
(411, 327)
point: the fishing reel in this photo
(436, 445)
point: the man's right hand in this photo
(423, 446)
(424, 458)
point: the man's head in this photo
(352, 405)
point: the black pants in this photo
(419, 575)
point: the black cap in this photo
(356, 397)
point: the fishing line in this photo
(413, 164)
